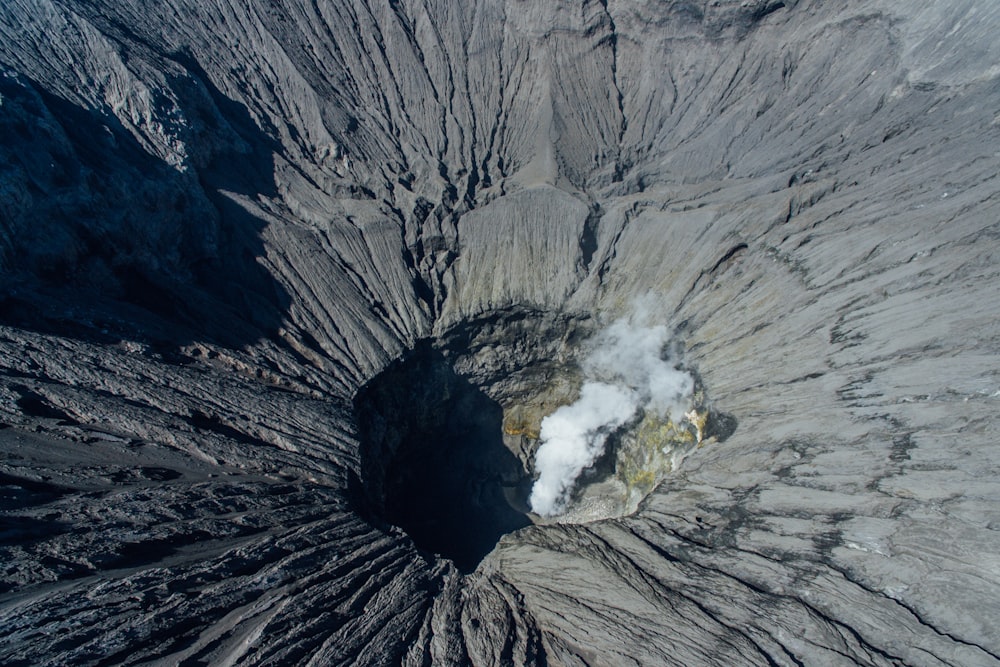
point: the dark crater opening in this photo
(433, 461)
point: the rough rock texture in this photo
(219, 220)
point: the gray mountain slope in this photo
(221, 219)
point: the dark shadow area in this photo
(17, 493)
(109, 240)
(721, 425)
(23, 531)
(604, 466)
(433, 460)
(33, 404)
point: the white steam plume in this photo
(624, 371)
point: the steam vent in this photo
(500, 332)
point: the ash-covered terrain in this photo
(294, 294)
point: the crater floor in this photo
(282, 281)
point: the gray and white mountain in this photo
(282, 280)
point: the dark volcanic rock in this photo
(221, 221)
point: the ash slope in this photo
(221, 219)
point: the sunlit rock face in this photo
(290, 288)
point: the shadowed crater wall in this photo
(433, 460)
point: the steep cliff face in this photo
(287, 288)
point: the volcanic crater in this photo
(295, 294)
